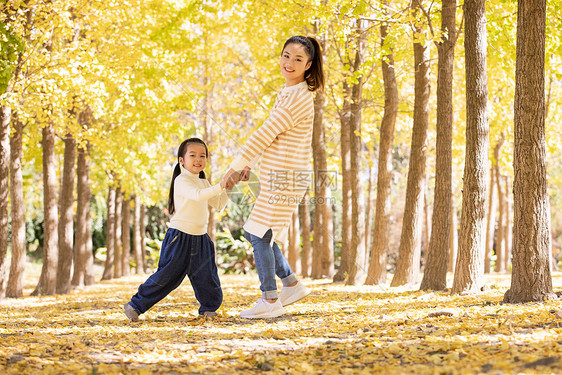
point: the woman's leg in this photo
(203, 274)
(172, 268)
(265, 263)
(282, 267)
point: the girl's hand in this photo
(245, 174)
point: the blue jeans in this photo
(182, 254)
(270, 262)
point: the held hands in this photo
(232, 177)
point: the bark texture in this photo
(48, 280)
(17, 267)
(379, 250)
(469, 266)
(408, 264)
(356, 266)
(109, 235)
(531, 279)
(5, 116)
(66, 220)
(306, 254)
(126, 229)
(118, 239)
(435, 274)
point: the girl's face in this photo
(294, 63)
(195, 158)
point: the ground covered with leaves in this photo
(337, 329)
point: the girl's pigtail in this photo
(202, 175)
(315, 74)
(176, 173)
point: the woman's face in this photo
(294, 63)
(195, 158)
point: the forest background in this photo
(97, 96)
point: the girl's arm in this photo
(219, 202)
(191, 191)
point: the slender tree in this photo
(48, 280)
(5, 115)
(81, 218)
(322, 261)
(377, 263)
(126, 230)
(118, 238)
(408, 264)
(491, 223)
(345, 146)
(469, 266)
(435, 274)
(136, 236)
(356, 259)
(109, 234)
(66, 221)
(304, 214)
(507, 227)
(17, 267)
(294, 243)
(531, 279)
(500, 264)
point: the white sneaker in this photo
(292, 294)
(264, 309)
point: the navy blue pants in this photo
(182, 254)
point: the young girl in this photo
(283, 141)
(187, 248)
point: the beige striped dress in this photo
(284, 143)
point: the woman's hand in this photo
(230, 179)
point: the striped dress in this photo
(284, 142)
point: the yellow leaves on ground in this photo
(337, 329)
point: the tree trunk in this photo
(531, 279)
(356, 259)
(345, 145)
(408, 264)
(507, 226)
(66, 221)
(491, 223)
(435, 274)
(368, 216)
(89, 276)
(469, 269)
(304, 213)
(126, 229)
(118, 239)
(294, 243)
(453, 237)
(136, 237)
(5, 116)
(17, 267)
(500, 265)
(143, 235)
(426, 232)
(323, 252)
(377, 263)
(82, 218)
(109, 235)
(48, 280)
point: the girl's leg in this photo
(203, 274)
(172, 268)
(265, 263)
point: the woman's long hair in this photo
(182, 150)
(314, 76)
